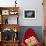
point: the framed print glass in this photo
(5, 20)
(29, 14)
(5, 12)
(7, 34)
(12, 20)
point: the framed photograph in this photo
(29, 14)
(5, 12)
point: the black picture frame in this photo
(28, 14)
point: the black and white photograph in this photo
(29, 14)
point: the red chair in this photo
(29, 33)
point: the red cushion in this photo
(29, 33)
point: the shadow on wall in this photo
(37, 29)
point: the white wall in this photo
(27, 4)
(7, 3)
(32, 4)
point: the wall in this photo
(6, 3)
(31, 4)
(27, 4)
